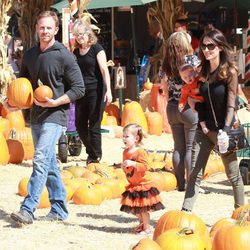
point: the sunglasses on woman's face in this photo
(209, 46)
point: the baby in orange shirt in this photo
(190, 77)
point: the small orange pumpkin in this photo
(147, 85)
(42, 92)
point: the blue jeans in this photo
(46, 171)
(183, 125)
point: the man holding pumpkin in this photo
(52, 64)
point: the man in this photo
(52, 64)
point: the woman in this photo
(183, 124)
(92, 61)
(219, 90)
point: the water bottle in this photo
(222, 137)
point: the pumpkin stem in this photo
(243, 217)
(39, 82)
(186, 231)
(12, 134)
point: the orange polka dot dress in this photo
(141, 195)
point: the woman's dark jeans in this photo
(89, 111)
(203, 145)
(183, 125)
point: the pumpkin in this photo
(87, 196)
(105, 190)
(23, 186)
(181, 239)
(16, 151)
(4, 155)
(146, 244)
(20, 93)
(155, 123)
(219, 224)
(69, 192)
(104, 119)
(4, 125)
(113, 109)
(24, 136)
(181, 219)
(147, 85)
(232, 237)
(238, 212)
(133, 113)
(44, 199)
(42, 92)
(16, 119)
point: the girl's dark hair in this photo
(227, 59)
(135, 129)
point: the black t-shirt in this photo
(89, 66)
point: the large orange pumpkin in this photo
(146, 244)
(42, 92)
(133, 113)
(16, 119)
(181, 239)
(24, 136)
(176, 218)
(23, 186)
(155, 123)
(232, 237)
(20, 93)
(4, 155)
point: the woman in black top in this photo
(92, 61)
(178, 51)
(219, 87)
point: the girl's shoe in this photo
(146, 232)
(139, 228)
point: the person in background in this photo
(54, 65)
(92, 61)
(219, 90)
(178, 51)
(182, 26)
(156, 54)
(141, 196)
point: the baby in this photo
(190, 77)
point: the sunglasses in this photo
(209, 46)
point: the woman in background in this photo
(92, 61)
(179, 51)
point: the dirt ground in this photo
(99, 227)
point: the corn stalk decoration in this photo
(28, 11)
(6, 72)
(166, 12)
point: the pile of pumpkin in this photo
(93, 184)
(132, 112)
(186, 231)
(16, 142)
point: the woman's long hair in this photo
(177, 47)
(227, 59)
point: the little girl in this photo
(141, 196)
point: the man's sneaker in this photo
(22, 217)
(52, 217)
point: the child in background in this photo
(141, 196)
(190, 77)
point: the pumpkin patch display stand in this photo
(69, 141)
